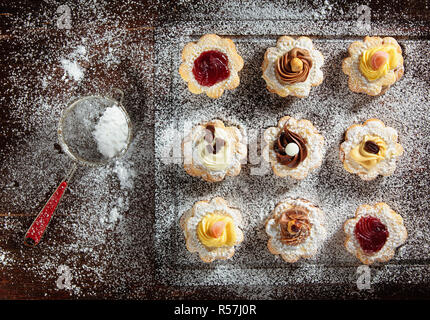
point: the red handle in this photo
(35, 233)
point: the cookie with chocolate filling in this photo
(211, 65)
(212, 151)
(373, 65)
(294, 148)
(292, 67)
(370, 149)
(212, 229)
(295, 229)
(374, 233)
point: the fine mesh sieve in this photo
(77, 126)
(79, 139)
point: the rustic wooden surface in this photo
(139, 19)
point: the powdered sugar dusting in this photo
(332, 108)
(310, 246)
(118, 262)
(72, 69)
(99, 228)
(111, 132)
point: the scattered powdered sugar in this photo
(332, 108)
(115, 215)
(72, 69)
(111, 132)
(80, 51)
(4, 258)
(119, 248)
(125, 174)
(100, 228)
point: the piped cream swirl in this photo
(293, 66)
(220, 160)
(376, 62)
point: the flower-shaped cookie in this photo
(211, 65)
(295, 229)
(212, 228)
(375, 233)
(294, 148)
(370, 149)
(292, 67)
(212, 151)
(373, 65)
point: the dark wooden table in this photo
(31, 44)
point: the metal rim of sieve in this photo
(70, 107)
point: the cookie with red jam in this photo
(211, 65)
(373, 65)
(296, 230)
(294, 148)
(292, 67)
(375, 233)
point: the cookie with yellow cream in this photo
(370, 149)
(373, 65)
(212, 151)
(212, 228)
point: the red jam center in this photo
(210, 68)
(371, 233)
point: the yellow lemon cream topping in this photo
(216, 230)
(376, 62)
(369, 152)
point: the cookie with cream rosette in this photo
(370, 149)
(295, 229)
(294, 148)
(292, 67)
(375, 233)
(213, 151)
(211, 65)
(373, 65)
(212, 228)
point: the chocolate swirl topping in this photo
(214, 144)
(295, 227)
(293, 66)
(283, 140)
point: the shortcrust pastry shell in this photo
(207, 42)
(386, 168)
(309, 248)
(301, 89)
(240, 152)
(393, 221)
(192, 242)
(358, 82)
(314, 143)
